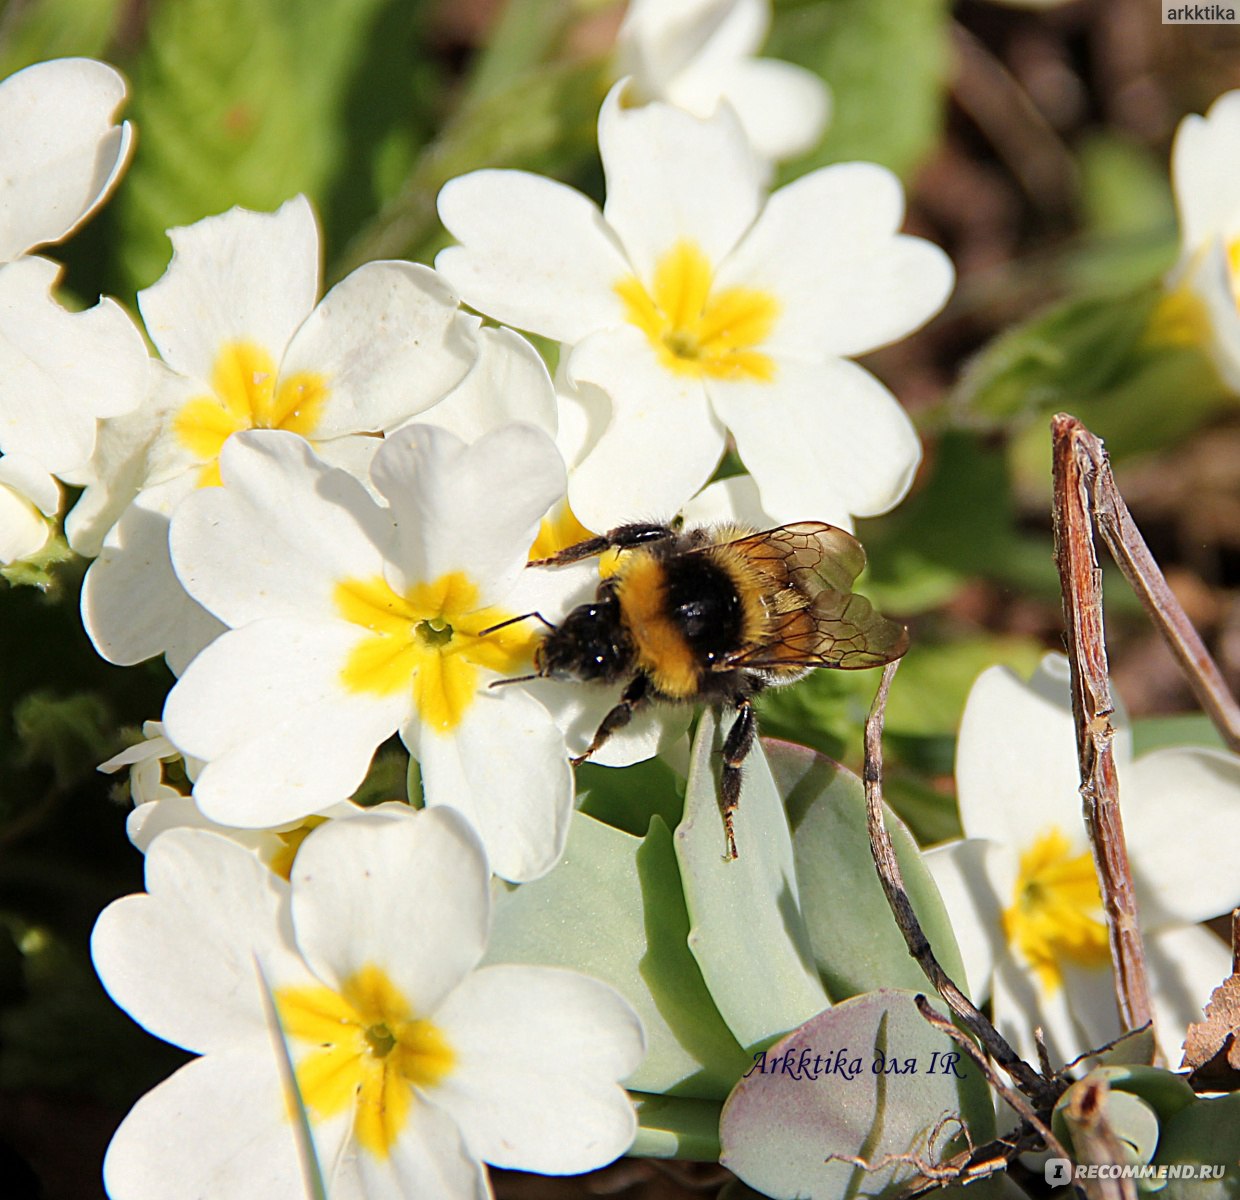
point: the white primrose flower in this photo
(350, 621)
(61, 153)
(246, 344)
(1203, 305)
(1021, 888)
(699, 308)
(696, 53)
(413, 1065)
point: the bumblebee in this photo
(714, 615)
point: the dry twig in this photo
(1037, 1087)
(1076, 487)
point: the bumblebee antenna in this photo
(513, 621)
(515, 679)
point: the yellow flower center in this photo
(429, 639)
(1056, 913)
(368, 1050)
(246, 393)
(1179, 319)
(559, 530)
(696, 330)
(281, 861)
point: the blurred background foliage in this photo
(1034, 146)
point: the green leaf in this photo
(749, 935)
(857, 945)
(71, 734)
(841, 1095)
(613, 908)
(914, 566)
(1184, 729)
(886, 62)
(674, 1127)
(1102, 358)
(1078, 346)
(1129, 215)
(628, 797)
(1205, 1133)
(543, 122)
(237, 102)
(56, 29)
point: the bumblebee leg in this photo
(737, 745)
(623, 537)
(634, 697)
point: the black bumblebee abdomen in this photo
(703, 602)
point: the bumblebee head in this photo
(589, 644)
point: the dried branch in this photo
(1094, 1141)
(1127, 547)
(1039, 1088)
(1018, 1102)
(1080, 579)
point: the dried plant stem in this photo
(1019, 1102)
(1040, 1089)
(1080, 581)
(1127, 547)
(1094, 1140)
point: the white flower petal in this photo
(505, 767)
(539, 1052)
(23, 529)
(533, 253)
(976, 880)
(238, 277)
(61, 153)
(429, 1158)
(1208, 276)
(1179, 807)
(662, 442)
(731, 501)
(133, 605)
(470, 508)
(828, 249)
(180, 959)
(784, 108)
(59, 371)
(266, 708)
(1207, 190)
(29, 479)
(173, 811)
(508, 382)
(389, 340)
(672, 177)
(281, 534)
(1186, 963)
(125, 460)
(1005, 721)
(660, 43)
(854, 452)
(408, 892)
(1089, 992)
(1020, 1004)
(578, 709)
(218, 1127)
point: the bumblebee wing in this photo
(837, 629)
(815, 618)
(809, 557)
